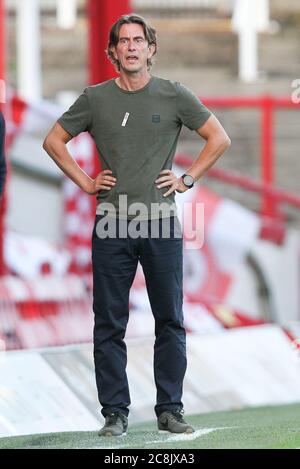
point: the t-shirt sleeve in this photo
(191, 112)
(78, 118)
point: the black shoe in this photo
(115, 425)
(173, 422)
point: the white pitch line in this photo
(188, 436)
(192, 436)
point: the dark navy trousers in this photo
(115, 261)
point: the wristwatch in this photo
(187, 180)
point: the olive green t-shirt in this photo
(136, 134)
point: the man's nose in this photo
(131, 45)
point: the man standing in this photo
(135, 121)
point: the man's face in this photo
(132, 50)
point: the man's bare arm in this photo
(55, 144)
(217, 141)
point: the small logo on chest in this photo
(155, 118)
(125, 119)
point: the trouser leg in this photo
(161, 260)
(114, 268)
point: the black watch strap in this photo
(188, 180)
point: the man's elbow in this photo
(226, 142)
(221, 141)
(49, 144)
(46, 143)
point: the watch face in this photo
(188, 180)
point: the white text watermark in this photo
(296, 92)
(161, 220)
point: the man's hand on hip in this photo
(103, 181)
(167, 178)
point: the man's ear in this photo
(151, 50)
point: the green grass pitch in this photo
(262, 427)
